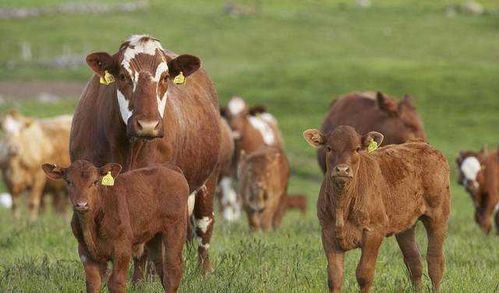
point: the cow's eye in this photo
(122, 77)
(165, 78)
(96, 182)
(328, 149)
(357, 149)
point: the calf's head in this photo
(82, 179)
(343, 147)
(143, 75)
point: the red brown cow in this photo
(264, 178)
(370, 111)
(147, 105)
(479, 174)
(110, 219)
(367, 195)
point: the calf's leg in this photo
(436, 230)
(94, 271)
(174, 242)
(496, 220)
(367, 263)
(15, 205)
(35, 197)
(155, 253)
(335, 264)
(412, 257)
(118, 278)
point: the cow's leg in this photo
(94, 271)
(367, 263)
(436, 231)
(335, 265)
(118, 278)
(253, 220)
(230, 206)
(412, 258)
(139, 264)
(154, 250)
(174, 242)
(496, 219)
(16, 213)
(204, 220)
(279, 214)
(39, 181)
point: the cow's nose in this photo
(148, 126)
(81, 206)
(342, 170)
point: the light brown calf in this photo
(367, 196)
(263, 178)
(144, 205)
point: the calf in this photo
(146, 205)
(479, 174)
(263, 182)
(374, 111)
(369, 194)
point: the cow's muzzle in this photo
(145, 128)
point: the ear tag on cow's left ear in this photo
(373, 145)
(107, 78)
(108, 180)
(179, 79)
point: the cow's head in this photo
(236, 113)
(400, 121)
(343, 148)
(143, 75)
(469, 167)
(82, 179)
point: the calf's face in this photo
(343, 147)
(143, 74)
(82, 179)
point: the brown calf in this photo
(370, 111)
(144, 205)
(263, 178)
(366, 196)
(479, 174)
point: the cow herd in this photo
(149, 147)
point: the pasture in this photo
(293, 56)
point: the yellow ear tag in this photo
(373, 145)
(108, 180)
(179, 79)
(107, 78)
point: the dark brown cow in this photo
(162, 107)
(144, 205)
(368, 195)
(370, 111)
(263, 183)
(479, 174)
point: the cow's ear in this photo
(100, 62)
(114, 168)
(258, 109)
(223, 112)
(187, 64)
(386, 104)
(373, 135)
(314, 137)
(52, 171)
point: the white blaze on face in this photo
(124, 106)
(162, 68)
(470, 168)
(203, 224)
(264, 129)
(236, 105)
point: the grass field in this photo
(294, 56)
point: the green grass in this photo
(294, 57)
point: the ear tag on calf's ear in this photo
(179, 79)
(107, 78)
(373, 145)
(108, 180)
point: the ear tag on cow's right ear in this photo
(179, 79)
(107, 78)
(373, 145)
(108, 180)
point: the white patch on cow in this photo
(236, 105)
(267, 117)
(11, 125)
(264, 129)
(203, 224)
(137, 46)
(123, 103)
(200, 243)
(83, 258)
(6, 200)
(231, 207)
(496, 208)
(162, 68)
(470, 168)
(191, 200)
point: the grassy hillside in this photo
(293, 56)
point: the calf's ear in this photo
(100, 62)
(114, 168)
(314, 137)
(258, 109)
(386, 104)
(373, 135)
(53, 172)
(187, 64)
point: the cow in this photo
(147, 105)
(112, 214)
(368, 194)
(264, 176)
(27, 143)
(479, 175)
(370, 111)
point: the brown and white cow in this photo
(367, 195)
(161, 107)
(479, 175)
(27, 143)
(374, 111)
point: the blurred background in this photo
(295, 57)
